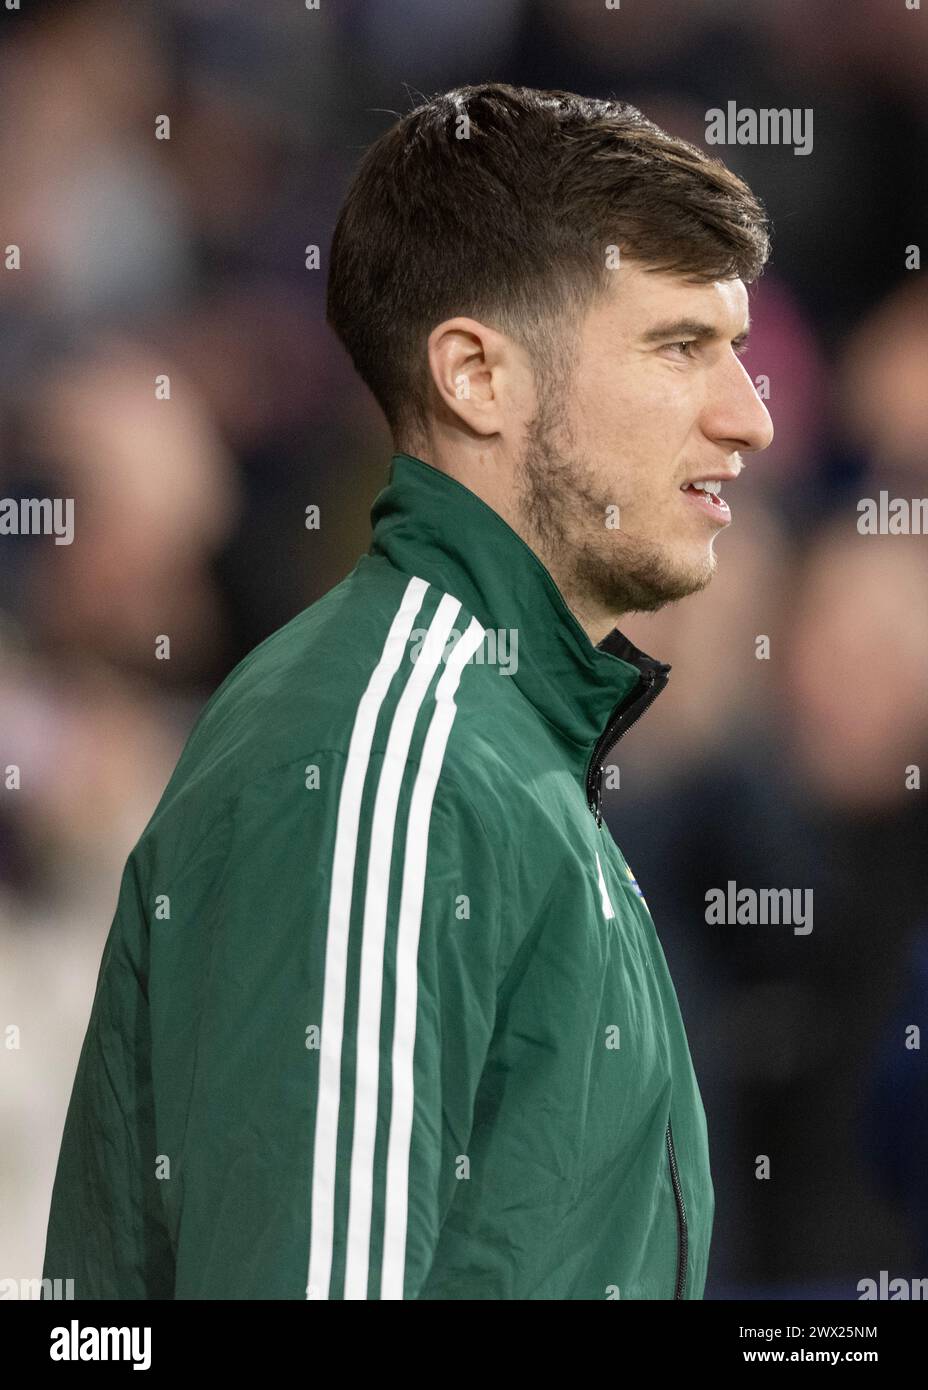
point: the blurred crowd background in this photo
(187, 257)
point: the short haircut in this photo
(506, 217)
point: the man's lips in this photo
(716, 508)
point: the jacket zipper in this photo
(621, 720)
(681, 1215)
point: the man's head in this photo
(546, 294)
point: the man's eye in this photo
(684, 346)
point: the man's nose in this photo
(736, 416)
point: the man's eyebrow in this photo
(690, 328)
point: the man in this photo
(383, 1013)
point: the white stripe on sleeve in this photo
(407, 968)
(336, 951)
(373, 934)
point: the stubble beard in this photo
(564, 515)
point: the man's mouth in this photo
(707, 495)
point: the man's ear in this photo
(469, 365)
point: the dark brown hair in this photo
(506, 217)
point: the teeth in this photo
(710, 485)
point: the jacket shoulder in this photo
(372, 660)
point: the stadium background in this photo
(187, 257)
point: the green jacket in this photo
(382, 1012)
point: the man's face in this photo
(653, 397)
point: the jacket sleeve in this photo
(107, 1236)
(310, 1038)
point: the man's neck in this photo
(492, 487)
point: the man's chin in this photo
(645, 589)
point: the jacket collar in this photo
(428, 524)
